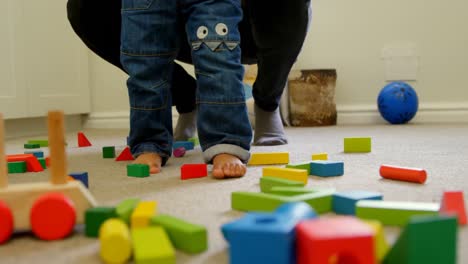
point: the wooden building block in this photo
(32, 163)
(426, 239)
(195, 141)
(341, 239)
(188, 145)
(17, 167)
(453, 203)
(291, 191)
(125, 155)
(266, 237)
(185, 236)
(31, 146)
(345, 202)
(41, 142)
(269, 158)
(403, 174)
(95, 217)
(80, 176)
(320, 156)
(108, 152)
(191, 171)
(285, 173)
(115, 240)
(138, 170)
(266, 183)
(326, 168)
(36, 153)
(83, 141)
(178, 152)
(125, 209)
(152, 245)
(394, 213)
(43, 162)
(141, 216)
(352, 145)
(380, 242)
(301, 166)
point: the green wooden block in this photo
(138, 170)
(394, 213)
(301, 166)
(42, 161)
(41, 142)
(108, 152)
(195, 141)
(95, 217)
(31, 146)
(321, 201)
(426, 239)
(17, 167)
(125, 209)
(266, 183)
(357, 145)
(185, 236)
(152, 245)
(291, 191)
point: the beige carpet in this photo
(441, 150)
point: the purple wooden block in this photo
(179, 152)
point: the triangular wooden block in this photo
(83, 141)
(454, 204)
(426, 239)
(125, 155)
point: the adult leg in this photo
(279, 33)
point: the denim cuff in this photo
(235, 150)
(149, 148)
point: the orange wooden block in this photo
(53, 216)
(6, 223)
(125, 155)
(403, 174)
(83, 141)
(32, 163)
(453, 203)
(335, 240)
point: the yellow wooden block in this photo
(269, 158)
(152, 245)
(381, 244)
(116, 245)
(286, 173)
(320, 156)
(143, 213)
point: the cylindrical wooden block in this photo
(58, 170)
(403, 174)
(116, 246)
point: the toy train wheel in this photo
(6, 223)
(53, 216)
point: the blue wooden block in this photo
(266, 237)
(345, 202)
(80, 176)
(326, 168)
(188, 145)
(37, 154)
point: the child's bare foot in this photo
(228, 166)
(152, 159)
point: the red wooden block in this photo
(335, 240)
(403, 174)
(53, 216)
(32, 163)
(191, 171)
(47, 162)
(6, 223)
(125, 155)
(453, 203)
(83, 141)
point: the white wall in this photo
(350, 36)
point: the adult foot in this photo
(228, 166)
(186, 126)
(152, 159)
(269, 130)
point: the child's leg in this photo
(148, 48)
(224, 129)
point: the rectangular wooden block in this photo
(31, 146)
(108, 152)
(152, 245)
(291, 191)
(266, 183)
(138, 170)
(301, 166)
(320, 156)
(269, 158)
(286, 173)
(41, 142)
(188, 145)
(326, 168)
(394, 213)
(141, 216)
(185, 236)
(17, 167)
(357, 145)
(94, 217)
(124, 209)
(36, 153)
(190, 171)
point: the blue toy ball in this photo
(398, 102)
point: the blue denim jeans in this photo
(150, 41)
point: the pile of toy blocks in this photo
(32, 160)
(134, 228)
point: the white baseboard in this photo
(37, 126)
(347, 115)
